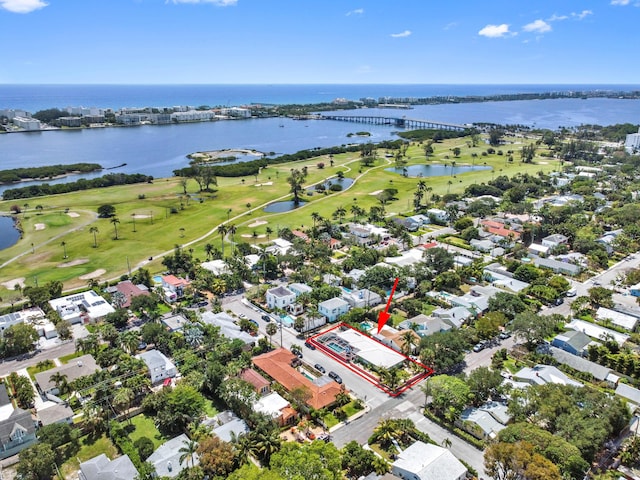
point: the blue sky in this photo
(320, 41)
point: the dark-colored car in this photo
(266, 318)
(335, 377)
(309, 345)
(319, 367)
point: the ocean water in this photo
(38, 97)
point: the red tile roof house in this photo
(174, 287)
(260, 384)
(277, 364)
(497, 228)
(129, 290)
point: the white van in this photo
(572, 292)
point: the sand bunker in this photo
(73, 214)
(40, 226)
(140, 215)
(94, 274)
(257, 223)
(263, 184)
(376, 192)
(11, 284)
(248, 235)
(73, 263)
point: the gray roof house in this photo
(426, 325)
(101, 468)
(423, 461)
(160, 367)
(17, 428)
(573, 341)
(455, 316)
(76, 368)
(630, 394)
(226, 425)
(556, 266)
(166, 458)
(228, 327)
(583, 365)
(542, 374)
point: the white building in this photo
(422, 461)
(628, 322)
(160, 367)
(632, 143)
(439, 214)
(555, 240)
(82, 307)
(27, 123)
(362, 298)
(279, 297)
(333, 308)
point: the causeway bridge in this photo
(400, 122)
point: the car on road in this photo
(309, 345)
(478, 347)
(266, 318)
(336, 378)
(558, 301)
(572, 292)
(504, 335)
(242, 315)
(319, 367)
(597, 283)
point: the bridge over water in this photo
(400, 122)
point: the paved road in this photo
(13, 365)
(482, 358)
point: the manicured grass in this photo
(330, 420)
(510, 364)
(427, 308)
(157, 231)
(380, 451)
(144, 427)
(89, 448)
(35, 369)
(350, 408)
(71, 356)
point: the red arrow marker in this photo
(384, 315)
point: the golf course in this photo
(64, 240)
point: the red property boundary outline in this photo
(362, 372)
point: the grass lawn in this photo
(36, 369)
(383, 453)
(330, 420)
(88, 450)
(71, 356)
(510, 364)
(143, 426)
(350, 408)
(427, 308)
(194, 225)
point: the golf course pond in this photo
(9, 234)
(437, 170)
(280, 207)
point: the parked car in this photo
(572, 292)
(558, 301)
(242, 315)
(319, 367)
(504, 335)
(309, 345)
(266, 318)
(335, 377)
(478, 347)
(142, 345)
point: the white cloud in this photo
(557, 18)
(219, 3)
(406, 33)
(538, 26)
(495, 31)
(357, 11)
(582, 14)
(22, 6)
(620, 2)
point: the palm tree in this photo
(268, 231)
(386, 432)
(115, 222)
(222, 230)
(272, 329)
(60, 381)
(208, 250)
(340, 213)
(193, 335)
(315, 216)
(64, 249)
(123, 398)
(267, 444)
(129, 341)
(232, 231)
(187, 451)
(94, 230)
(408, 339)
(446, 443)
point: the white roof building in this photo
(422, 461)
(596, 331)
(271, 405)
(628, 322)
(88, 306)
(370, 350)
(543, 374)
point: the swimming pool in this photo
(287, 320)
(307, 374)
(366, 326)
(336, 348)
(157, 279)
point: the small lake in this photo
(279, 207)
(9, 234)
(437, 170)
(345, 182)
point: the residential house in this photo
(360, 234)
(482, 245)
(276, 407)
(173, 287)
(632, 143)
(407, 258)
(277, 364)
(600, 373)
(217, 266)
(299, 288)
(622, 320)
(126, 291)
(279, 297)
(424, 461)
(361, 298)
(160, 367)
(57, 413)
(261, 385)
(543, 374)
(331, 280)
(333, 308)
(76, 368)
(607, 240)
(228, 326)
(280, 246)
(226, 425)
(174, 322)
(557, 266)
(596, 331)
(101, 468)
(31, 316)
(394, 338)
(301, 235)
(356, 274)
(555, 240)
(84, 307)
(17, 428)
(439, 215)
(166, 458)
(630, 394)
(454, 316)
(499, 230)
(425, 325)
(538, 250)
(485, 422)
(574, 342)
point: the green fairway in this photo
(147, 227)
